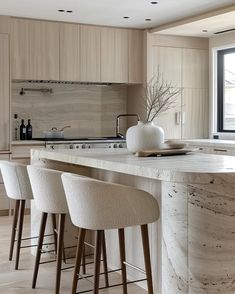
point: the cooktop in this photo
(80, 139)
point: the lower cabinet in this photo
(4, 200)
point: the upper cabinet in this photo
(114, 55)
(43, 50)
(90, 61)
(69, 52)
(136, 56)
(35, 49)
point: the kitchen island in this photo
(193, 243)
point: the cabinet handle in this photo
(221, 150)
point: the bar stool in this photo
(17, 185)
(49, 197)
(98, 205)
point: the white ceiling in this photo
(110, 12)
(197, 28)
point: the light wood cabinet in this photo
(168, 61)
(35, 49)
(20, 49)
(4, 200)
(186, 69)
(114, 55)
(90, 59)
(4, 93)
(136, 56)
(44, 50)
(69, 52)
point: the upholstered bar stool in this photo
(49, 197)
(17, 185)
(98, 205)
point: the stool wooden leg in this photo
(105, 260)
(121, 236)
(98, 244)
(59, 251)
(84, 260)
(79, 253)
(14, 227)
(145, 240)
(39, 248)
(19, 235)
(53, 218)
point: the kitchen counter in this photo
(193, 244)
(211, 143)
(27, 142)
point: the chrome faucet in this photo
(118, 134)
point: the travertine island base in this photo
(193, 244)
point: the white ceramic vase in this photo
(144, 136)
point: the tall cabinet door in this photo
(4, 93)
(20, 49)
(168, 61)
(195, 82)
(90, 65)
(69, 52)
(44, 50)
(114, 55)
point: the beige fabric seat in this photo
(17, 185)
(49, 197)
(98, 205)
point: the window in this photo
(226, 90)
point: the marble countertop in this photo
(211, 143)
(190, 168)
(27, 142)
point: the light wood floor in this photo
(12, 281)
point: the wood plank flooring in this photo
(12, 281)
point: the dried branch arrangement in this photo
(160, 96)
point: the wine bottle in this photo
(29, 130)
(22, 130)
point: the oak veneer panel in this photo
(69, 52)
(195, 106)
(90, 53)
(195, 68)
(108, 51)
(169, 62)
(114, 55)
(20, 49)
(4, 92)
(136, 58)
(44, 50)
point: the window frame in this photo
(220, 89)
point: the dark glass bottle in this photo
(22, 130)
(29, 130)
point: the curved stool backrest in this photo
(16, 180)
(99, 205)
(48, 190)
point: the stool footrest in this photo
(111, 286)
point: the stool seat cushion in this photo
(16, 180)
(47, 190)
(98, 205)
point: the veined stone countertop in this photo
(211, 143)
(27, 142)
(194, 168)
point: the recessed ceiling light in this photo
(126, 17)
(154, 2)
(69, 11)
(61, 10)
(147, 19)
